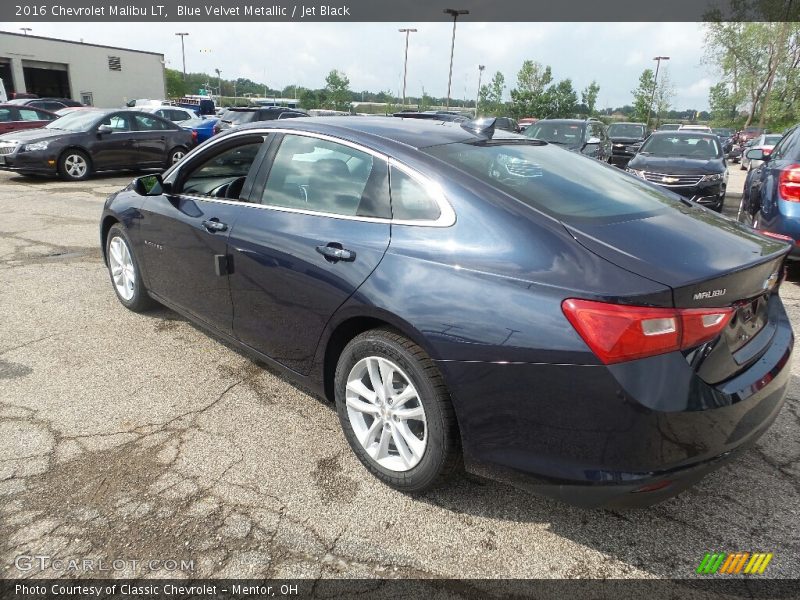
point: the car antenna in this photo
(484, 127)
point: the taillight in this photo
(777, 236)
(616, 332)
(789, 183)
(194, 136)
(766, 151)
(217, 129)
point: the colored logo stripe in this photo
(733, 564)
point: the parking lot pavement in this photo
(138, 437)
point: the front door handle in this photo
(213, 225)
(334, 252)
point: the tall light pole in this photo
(405, 61)
(183, 53)
(658, 60)
(478, 96)
(219, 83)
(25, 30)
(455, 14)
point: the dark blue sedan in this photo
(771, 197)
(471, 298)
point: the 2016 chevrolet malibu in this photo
(471, 298)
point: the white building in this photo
(103, 76)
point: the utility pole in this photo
(478, 96)
(455, 13)
(219, 83)
(658, 60)
(183, 53)
(405, 61)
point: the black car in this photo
(432, 115)
(725, 136)
(468, 296)
(588, 136)
(691, 164)
(85, 141)
(626, 139)
(234, 117)
(51, 104)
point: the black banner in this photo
(429, 589)
(407, 10)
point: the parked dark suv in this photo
(233, 117)
(626, 139)
(588, 136)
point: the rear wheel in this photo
(175, 155)
(395, 411)
(74, 165)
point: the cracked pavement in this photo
(126, 436)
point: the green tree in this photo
(665, 92)
(527, 98)
(176, 86)
(723, 106)
(562, 98)
(642, 96)
(491, 96)
(589, 96)
(337, 86)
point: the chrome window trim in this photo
(447, 216)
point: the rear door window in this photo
(30, 114)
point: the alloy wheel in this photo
(386, 413)
(177, 155)
(75, 166)
(122, 269)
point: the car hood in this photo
(686, 248)
(33, 135)
(674, 165)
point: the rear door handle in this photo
(334, 252)
(213, 225)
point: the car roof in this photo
(415, 133)
(686, 133)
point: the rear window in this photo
(239, 116)
(771, 140)
(626, 130)
(566, 185)
(568, 134)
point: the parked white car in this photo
(700, 128)
(176, 114)
(765, 142)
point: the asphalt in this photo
(139, 437)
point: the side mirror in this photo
(756, 154)
(593, 140)
(104, 129)
(150, 185)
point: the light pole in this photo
(478, 96)
(405, 61)
(25, 30)
(183, 53)
(658, 60)
(455, 14)
(219, 83)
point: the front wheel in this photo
(126, 276)
(74, 165)
(395, 411)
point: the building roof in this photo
(49, 39)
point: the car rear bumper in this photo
(624, 435)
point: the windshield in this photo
(566, 185)
(76, 121)
(723, 132)
(684, 145)
(669, 127)
(556, 132)
(626, 130)
(239, 116)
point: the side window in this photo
(147, 123)
(117, 121)
(29, 114)
(322, 176)
(6, 115)
(781, 148)
(410, 200)
(43, 116)
(223, 175)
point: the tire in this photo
(415, 466)
(74, 165)
(127, 282)
(175, 155)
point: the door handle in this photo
(213, 225)
(334, 252)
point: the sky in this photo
(371, 54)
